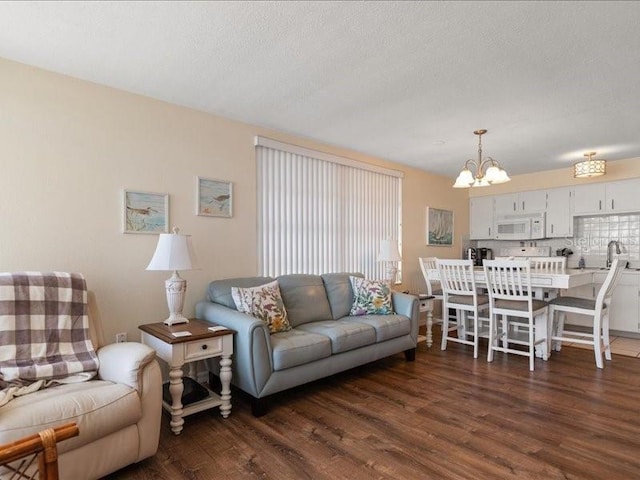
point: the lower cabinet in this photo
(625, 304)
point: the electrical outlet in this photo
(121, 337)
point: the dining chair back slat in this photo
(509, 279)
(549, 264)
(456, 277)
(426, 264)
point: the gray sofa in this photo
(324, 339)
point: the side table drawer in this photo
(203, 349)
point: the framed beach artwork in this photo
(214, 198)
(439, 227)
(145, 212)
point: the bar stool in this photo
(460, 293)
(510, 295)
(598, 309)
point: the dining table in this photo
(545, 286)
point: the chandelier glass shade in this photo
(487, 171)
(589, 167)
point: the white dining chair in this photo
(599, 309)
(511, 297)
(460, 293)
(549, 264)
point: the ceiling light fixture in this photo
(589, 167)
(488, 171)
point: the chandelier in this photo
(590, 167)
(487, 171)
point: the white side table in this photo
(426, 305)
(202, 344)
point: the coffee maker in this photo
(478, 255)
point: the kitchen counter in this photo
(627, 271)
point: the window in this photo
(319, 213)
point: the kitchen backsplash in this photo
(591, 236)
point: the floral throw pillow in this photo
(263, 302)
(370, 297)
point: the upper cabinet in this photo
(559, 212)
(612, 197)
(534, 201)
(560, 205)
(481, 218)
(589, 199)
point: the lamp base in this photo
(392, 273)
(176, 288)
(176, 320)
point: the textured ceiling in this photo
(405, 81)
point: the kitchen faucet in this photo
(609, 259)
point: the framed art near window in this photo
(439, 227)
(214, 197)
(145, 212)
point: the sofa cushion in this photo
(219, 291)
(386, 326)
(265, 303)
(304, 298)
(344, 336)
(370, 297)
(297, 347)
(339, 292)
(98, 407)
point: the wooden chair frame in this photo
(42, 446)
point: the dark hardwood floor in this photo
(444, 416)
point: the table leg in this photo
(430, 324)
(541, 331)
(176, 387)
(225, 380)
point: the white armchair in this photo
(118, 413)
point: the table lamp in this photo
(174, 252)
(390, 254)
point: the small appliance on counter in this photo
(564, 252)
(478, 255)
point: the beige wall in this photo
(69, 148)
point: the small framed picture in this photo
(214, 198)
(145, 212)
(439, 227)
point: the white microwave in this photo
(520, 227)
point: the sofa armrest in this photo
(252, 355)
(409, 306)
(124, 363)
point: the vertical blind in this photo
(318, 213)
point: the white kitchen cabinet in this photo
(589, 199)
(625, 304)
(481, 218)
(523, 202)
(622, 196)
(610, 197)
(506, 204)
(559, 221)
